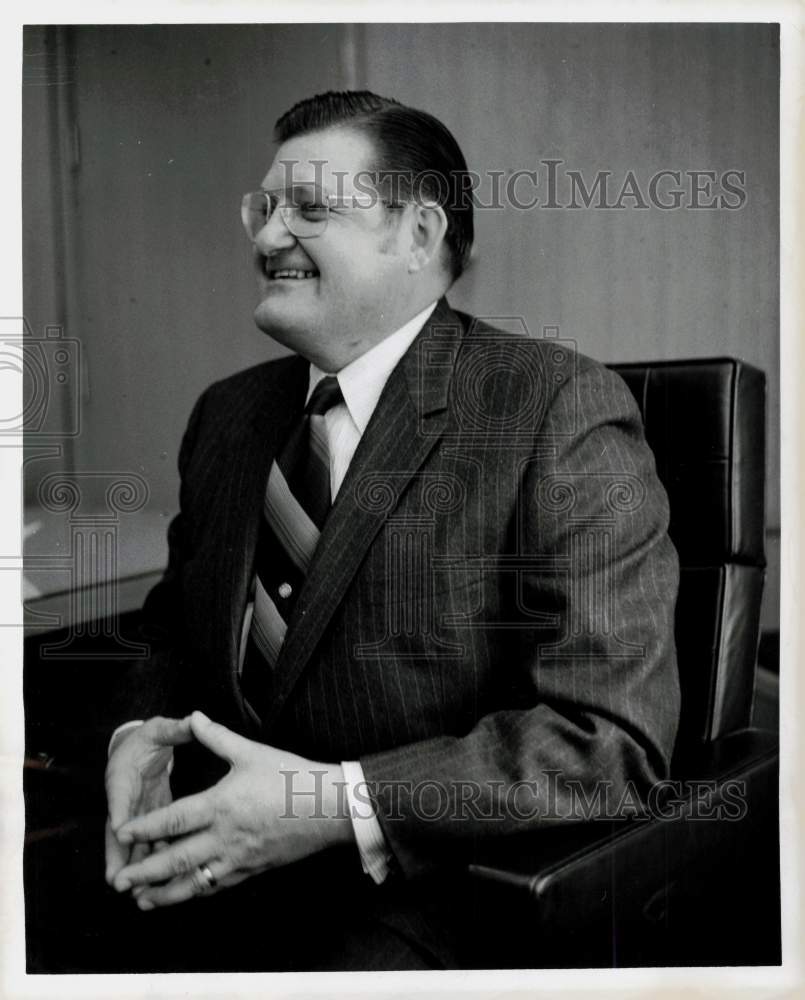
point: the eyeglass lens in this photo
(303, 210)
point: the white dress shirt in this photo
(362, 381)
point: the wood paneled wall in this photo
(632, 284)
(171, 124)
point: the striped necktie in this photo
(296, 503)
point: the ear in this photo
(428, 228)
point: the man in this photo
(420, 569)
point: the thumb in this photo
(222, 741)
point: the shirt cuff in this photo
(372, 847)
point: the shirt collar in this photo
(362, 380)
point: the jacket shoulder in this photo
(232, 403)
(260, 377)
(535, 372)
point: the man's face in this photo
(350, 284)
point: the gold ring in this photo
(207, 875)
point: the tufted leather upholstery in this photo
(705, 422)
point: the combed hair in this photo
(410, 144)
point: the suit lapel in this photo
(405, 427)
(238, 509)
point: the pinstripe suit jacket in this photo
(491, 600)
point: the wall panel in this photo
(632, 284)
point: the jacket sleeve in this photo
(151, 682)
(601, 680)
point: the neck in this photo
(333, 355)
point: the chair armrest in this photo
(580, 890)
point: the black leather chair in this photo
(701, 886)
(687, 890)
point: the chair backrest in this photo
(705, 422)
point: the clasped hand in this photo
(260, 815)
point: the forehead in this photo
(328, 158)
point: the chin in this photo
(272, 314)
(290, 331)
(271, 322)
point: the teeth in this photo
(289, 272)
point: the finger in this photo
(170, 732)
(117, 854)
(180, 817)
(155, 848)
(188, 886)
(123, 783)
(138, 853)
(158, 845)
(179, 859)
(120, 794)
(222, 741)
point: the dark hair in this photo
(413, 146)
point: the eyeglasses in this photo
(305, 210)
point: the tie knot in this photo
(326, 395)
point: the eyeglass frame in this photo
(289, 212)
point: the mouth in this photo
(290, 274)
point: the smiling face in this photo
(332, 296)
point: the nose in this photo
(274, 235)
